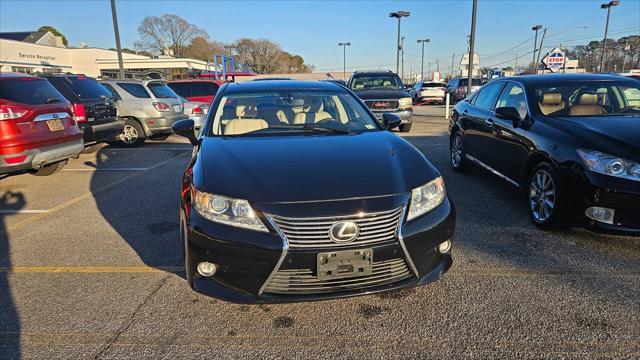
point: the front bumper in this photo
(405, 115)
(39, 157)
(621, 195)
(161, 125)
(248, 261)
(95, 133)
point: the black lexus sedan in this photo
(572, 142)
(296, 192)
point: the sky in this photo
(313, 29)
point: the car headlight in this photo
(406, 103)
(228, 211)
(610, 165)
(426, 198)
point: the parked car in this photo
(429, 92)
(37, 133)
(457, 88)
(255, 229)
(196, 89)
(148, 107)
(384, 93)
(196, 111)
(92, 106)
(572, 142)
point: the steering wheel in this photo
(629, 109)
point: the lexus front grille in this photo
(309, 233)
(304, 281)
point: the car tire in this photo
(405, 127)
(456, 153)
(50, 169)
(133, 134)
(545, 197)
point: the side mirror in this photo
(391, 121)
(185, 128)
(509, 113)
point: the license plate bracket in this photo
(344, 264)
(55, 125)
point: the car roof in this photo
(191, 80)
(15, 75)
(278, 85)
(373, 73)
(132, 81)
(557, 78)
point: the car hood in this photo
(382, 94)
(278, 169)
(615, 135)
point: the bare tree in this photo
(167, 32)
(265, 56)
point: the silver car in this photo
(196, 111)
(149, 108)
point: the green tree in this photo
(55, 32)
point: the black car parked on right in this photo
(572, 142)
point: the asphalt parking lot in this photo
(90, 267)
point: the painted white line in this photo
(23, 211)
(114, 169)
(153, 149)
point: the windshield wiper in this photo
(311, 128)
(52, 100)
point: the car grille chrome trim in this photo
(304, 281)
(313, 233)
(285, 249)
(403, 246)
(393, 104)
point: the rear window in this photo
(136, 90)
(474, 82)
(86, 88)
(432, 85)
(31, 92)
(161, 90)
(203, 89)
(181, 88)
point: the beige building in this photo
(35, 52)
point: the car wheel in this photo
(132, 134)
(456, 152)
(545, 196)
(405, 127)
(50, 169)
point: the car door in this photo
(478, 122)
(507, 144)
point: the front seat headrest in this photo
(588, 99)
(551, 99)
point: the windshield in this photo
(161, 90)
(589, 98)
(286, 112)
(376, 82)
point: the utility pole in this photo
(606, 29)
(453, 57)
(535, 66)
(402, 50)
(624, 55)
(344, 58)
(535, 45)
(114, 15)
(515, 67)
(422, 61)
(437, 65)
(472, 43)
(399, 15)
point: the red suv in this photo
(196, 89)
(37, 133)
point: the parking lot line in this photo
(90, 269)
(154, 149)
(68, 203)
(13, 212)
(107, 169)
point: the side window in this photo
(487, 96)
(113, 91)
(136, 90)
(181, 88)
(513, 96)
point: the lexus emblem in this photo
(344, 231)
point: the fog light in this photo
(207, 269)
(600, 214)
(444, 247)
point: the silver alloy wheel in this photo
(542, 196)
(456, 151)
(129, 134)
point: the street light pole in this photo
(606, 29)
(398, 15)
(402, 58)
(472, 43)
(344, 58)
(535, 45)
(114, 15)
(422, 62)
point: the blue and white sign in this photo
(555, 60)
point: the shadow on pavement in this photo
(9, 319)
